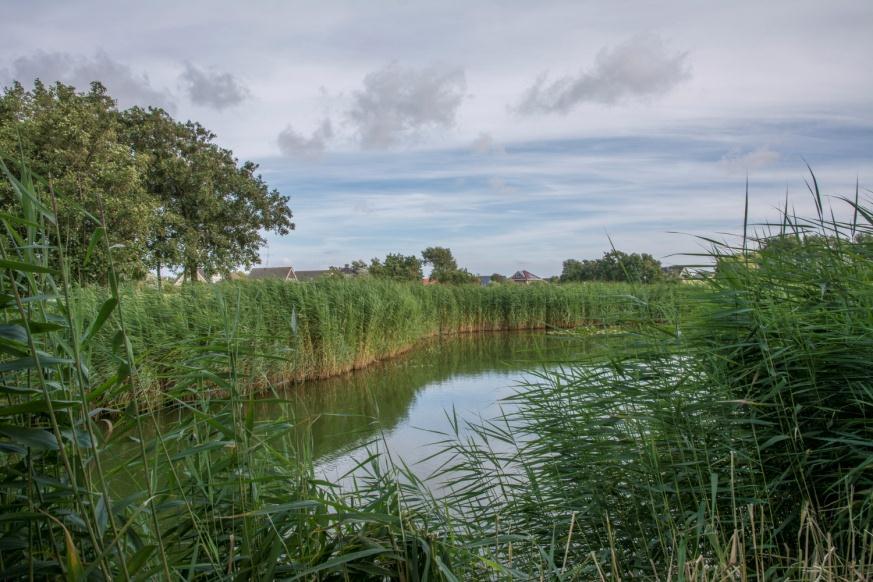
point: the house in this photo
(281, 273)
(525, 278)
(484, 280)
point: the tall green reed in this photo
(92, 492)
(736, 445)
(319, 329)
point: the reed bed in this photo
(729, 439)
(740, 448)
(319, 329)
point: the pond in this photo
(400, 406)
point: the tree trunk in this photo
(160, 287)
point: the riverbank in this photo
(292, 332)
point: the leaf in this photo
(13, 332)
(340, 560)
(23, 267)
(96, 237)
(35, 438)
(75, 571)
(17, 220)
(104, 313)
(102, 515)
(29, 362)
(35, 406)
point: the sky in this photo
(519, 134)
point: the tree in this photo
(614, 266)
(356, 269)
(398, 267)
(75, 142)
(168, 194)
(445, 268)
(498, 278)
(213, 207)
(440, 258)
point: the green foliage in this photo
(397, 267)
(211, 208)
(730, 440)
(76, 141)
(735, 446)
(172, 196)
(333, 325)
(614, 266)
(445, 268)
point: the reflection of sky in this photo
(473, 397)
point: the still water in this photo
(402, 406)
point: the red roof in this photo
(525, 276)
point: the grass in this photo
(320, 329)
(732, 442)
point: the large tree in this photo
(169, 195)
(75, 142)
(213, 208)
(445, 267)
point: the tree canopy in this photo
(445, 268)
(170, 196)
(614, 266)
(397, 266)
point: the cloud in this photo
(211, 88)
(295, 145)
(738, 162)
(485, 144)
(125, 86)
(397, 103)
(639, 68)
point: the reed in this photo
(728, 439)
(319, 329)
(739, 448)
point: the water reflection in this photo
(400, 404)
(397, 406)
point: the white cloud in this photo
(127, 87)
(295, 145)
(212, 88)
(640, 67)
(739, 162)
(397, 103)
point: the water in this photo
(401, 407)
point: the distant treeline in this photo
(616, 266)
(172, 198)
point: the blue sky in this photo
(519, 134)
